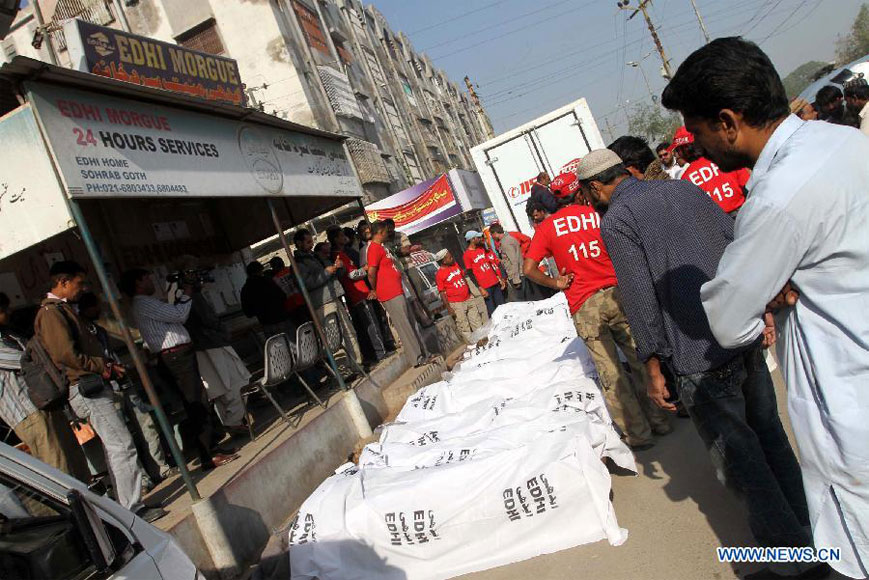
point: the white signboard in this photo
(32, 207)
(469, 189)
(112, 147)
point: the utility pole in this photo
(609, 128)
(122, 16)
(41, 29)
(481, 114)
(625, 5)
(700, 20)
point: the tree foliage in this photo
(801, 77)
(856, 43)
(653, 122)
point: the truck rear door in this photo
(561, 143)
(516, 164)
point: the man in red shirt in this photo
(385, 278)
(358, 294)
(486, 273)
(588, 279)
(456, 294)
(725, 189)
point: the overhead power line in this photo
(455, 18)
(738, 10)
(495, 25)
(762, 18)
(804, 17)
(552, 59)
(576, 68)
(501, 35)
(786, 20)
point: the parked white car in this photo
(51, 526)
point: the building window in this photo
(413, 167)
(93, 11)
(408, 91)
(310, 23)
(344, 54)
(203, 38)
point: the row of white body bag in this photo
(499, 462)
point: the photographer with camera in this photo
(77, 353)
(162, 328)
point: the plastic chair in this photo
(277, 368)
(308, 353)
(335, 343)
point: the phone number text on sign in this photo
(108, 169)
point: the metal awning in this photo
(41, 96)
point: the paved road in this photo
(676, 513)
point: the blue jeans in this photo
(494, 299)
(121, 457)
(734, 409)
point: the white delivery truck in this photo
(509, 163)
(51, 526)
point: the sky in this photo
(528, 58)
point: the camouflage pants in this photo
(602, 325)
(467, 317)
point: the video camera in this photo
(190, 277)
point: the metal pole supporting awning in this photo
(138, 363)
(318, 325)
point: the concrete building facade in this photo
(331, 64)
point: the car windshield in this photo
(429, 270)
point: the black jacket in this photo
(263, 298)
(542, 194)
(204, 326)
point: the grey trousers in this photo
(229, 408)
(406, 326)
(138, 413)
(121, 455)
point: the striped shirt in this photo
(162, 324)
(15, 403)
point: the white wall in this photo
(250, 34)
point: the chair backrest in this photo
(278, 366)
(308, 350)
(334, 336)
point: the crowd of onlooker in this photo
(68, 396)
(682, 266)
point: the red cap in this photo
(566, 184)
(682, 137)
